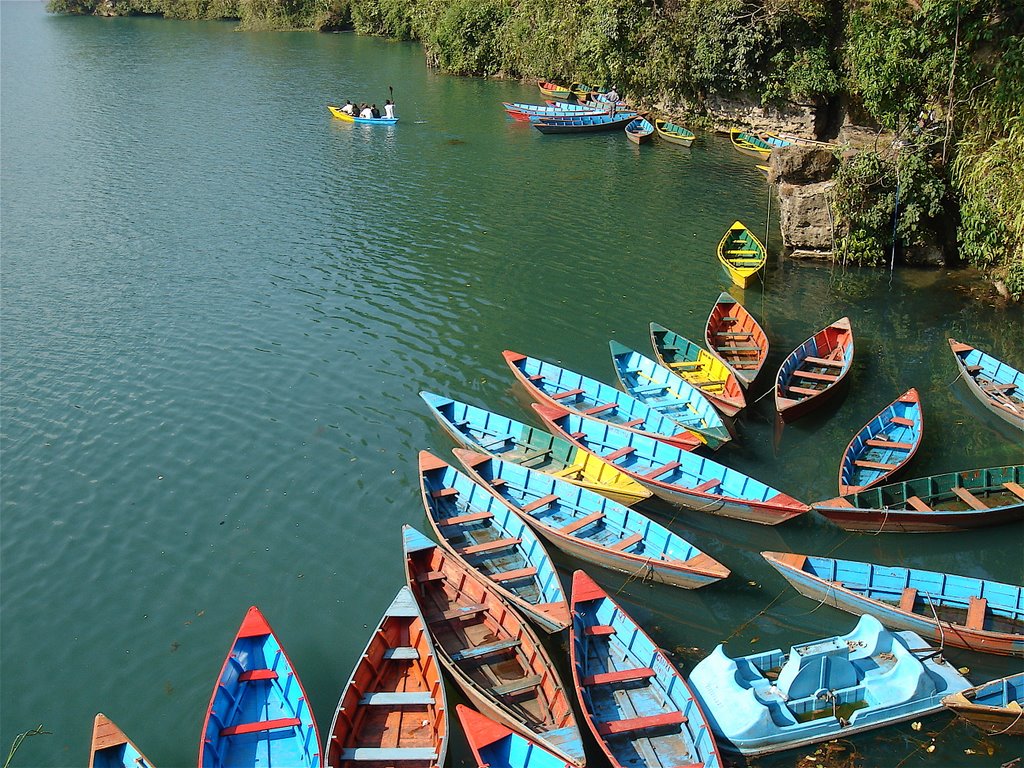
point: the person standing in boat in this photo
(349, 108)
(389, 109)
(365, 112)
(613, 100)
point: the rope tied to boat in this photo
(1011, 725)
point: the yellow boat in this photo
(554, 91)
(742, 254)
(364, 120)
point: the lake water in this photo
(218, 308)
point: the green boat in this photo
(674, 134)
(750, 144)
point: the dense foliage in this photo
(885, 60)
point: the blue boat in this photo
(491, 539)
(258, 714)
(999, 386)
(496, 746)
(584, 123)
(639, 130)
(883, 446)
(545, 109)
(592, 528)
(347, 118)
(481, 430)
(824, 689)
(670, 395)
(962, 611)
(774, 141)
(112, 749)
(588, 397)
(812, 373)
(637, 704)
(997, 707)
(488, 650)
(677, 476)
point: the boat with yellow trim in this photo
(742, 254)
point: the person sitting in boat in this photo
(365, 112)
(349, 108)
(374, 112)
(389, 109)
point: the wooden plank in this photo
(707, 486)
(397, 698)
(733, 333)
(521, 573)
(815, 376)
(824, 361)
(472, 517)
(464, 611)
(976, 613)
(444, 493)
(899, 420)
(907, 599)
(864, 464)
(738, 348)
(889, 444)
(1016, 489)
(619, 676)
(429, 576)
(618, 454)
(599, 630)
(567, 393)
(659, 471)
(485, 650)
(517, 686)
(1006, 388)
(575, 525)
(257, 674)
(617, 727)
(631, 423)
(600, 408)
(972, 501)
(539, 503)
(401, 653)
(389, 754)
(805, 391)
(489, 546)
(262, 725)
(916, 503)
(626, 543)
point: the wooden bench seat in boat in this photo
(535, 377)
(464, 612)
(631, 423)
(519, 573)
(583, 522)
(742, 251)
(495, 441)
(429, 576)
(397, 698)
(907, 599)
(517, 686)
(901, 421)
(649, 388)
(806, 391)
(663, 469)
(261, 725)
(568, 393)
(1015, 488)
(401, 653)
(976, 613)
(864, 464)
(733, 333)
(618, 727)
(627, 542)
(489, 546)
(874, 443)
(738, 348)
(707, 486)
(443, 493)
(972, 501)
(486, 650)
(916, 503)
(695, 364)
(999, 387)
(388, 754)
(815, 376)
(257, 674)
(599, 630)
(472, 517)
(619, 676)
(824, 361)
(600, 408)
(618, 454)
(540, 503)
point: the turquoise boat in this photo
(592, 528)
(481, 430)
(588, 397)
(492, 540)
(586, 123)
(999, 386)
(883, 446)
(679, 477)
(669, 394)
(633, 698)
(825, 689)
(961, 611)
(996, 707)
(497, 746)
(259, 711)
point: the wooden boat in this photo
(489, 538)
(639, 131)
(734, 337)
(496, 746)
(633, 698)
(825, 689)
(953, 501)
(674, 134)
(495, 435)
(750, 144)
(996, 707)
(592, 528)
(999, 387)
(112, 749)
(670, 395)
(742, 255)
(810, 376)
(961, 611)
(773, 140)
(361, 120)
(393, 708)
(582, 92)
(553, 90)
(883, 446)
(699, 368)
(764, 169)
(488, 650)
(549, 108)
(561, 387)
(584, 123)
(258, 707)
(677, 476)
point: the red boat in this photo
(811, 375)
(734, 337)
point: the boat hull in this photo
(670, 132)
(995, 707)
(742, 255)
(838, 594)
(884, 446)
(1001, 387)
(729, 321)
(829, 349)
(346, 118)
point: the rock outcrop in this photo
(803, 175)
